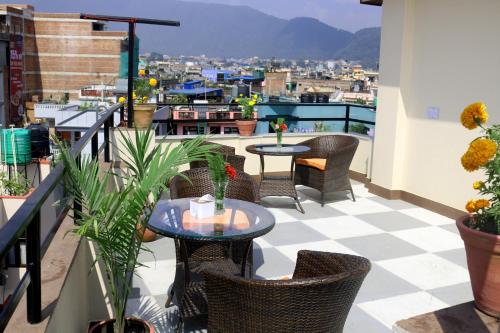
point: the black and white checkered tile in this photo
(418, 258)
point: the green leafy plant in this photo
(247, 106)
(143, 89)
(358, 128)
(18, 185)
(111, 213)
(179, 99)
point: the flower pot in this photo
(132, 325)
(143, 115)
(246, 127)
(483, 261)
(147, 236)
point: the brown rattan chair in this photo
(196, 183)
(326, 166)
(237, 161)
(317, 298)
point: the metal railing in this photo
(347, 119)
(26, 221)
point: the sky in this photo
(345, 14)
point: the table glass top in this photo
(241, 220)
(285, 149)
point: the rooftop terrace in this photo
(418, 259)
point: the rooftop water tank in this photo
(16, 146)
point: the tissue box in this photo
(201, 209)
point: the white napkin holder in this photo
(203, 207)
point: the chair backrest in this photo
(199, 183)
(325, 144)
(237, 161)
(317, 299)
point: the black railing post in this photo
(107, 157)
(130, 86)
(347, 115)
(33, 263)
(94, 146)
(122, 114)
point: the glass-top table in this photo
(278, 185)
(241, 220)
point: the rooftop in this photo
(418, 259)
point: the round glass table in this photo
(278, 185)
(241, 222)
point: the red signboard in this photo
(16, 77)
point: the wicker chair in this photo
(317, 298)
(237, 161)
(334, 154)
(243, 187)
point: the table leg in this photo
(245, 258)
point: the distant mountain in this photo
(239, 31)
(364, 46)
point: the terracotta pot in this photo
(143, 115)
(132, 325)
(483, 261)
(147, 236)
(246, 127)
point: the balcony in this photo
(418, 259)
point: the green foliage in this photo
(17, 185)
(216, 166)
(247, 105)
(358, 128)
(143, 89)
(179, 99)
(110, 213)
(488, 219)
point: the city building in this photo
(52, 56)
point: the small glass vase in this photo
(279, 137)
(220, 189)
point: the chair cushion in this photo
(318, 163)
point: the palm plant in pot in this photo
(110, 213)
(480, 230)
(247, 124)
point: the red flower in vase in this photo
(230, 171)
(283, 127)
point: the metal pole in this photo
(33, 261)
(94, 148)
(130, 89)
(106, 139)
(347, 115)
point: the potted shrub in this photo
(480, 230)
(247, 124)
(143, 111)
(110, 213)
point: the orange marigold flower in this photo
(479, 153)
(473, 115)
(471, 206)
(142, 72)
(482, 203)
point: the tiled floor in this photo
(418, 260)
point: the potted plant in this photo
(480, 230)
(247, 124)
(110, 212)
(143, 111)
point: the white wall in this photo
(442, 54)
(360, 163)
